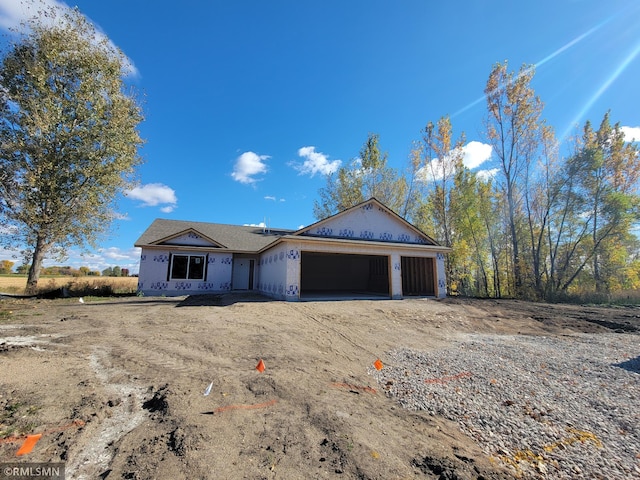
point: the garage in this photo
(418, 276)
(340, 274)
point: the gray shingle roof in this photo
(233, 237)
(238, 238)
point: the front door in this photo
(242, 276)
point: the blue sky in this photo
(249, 103)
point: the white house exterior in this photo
(366, 249)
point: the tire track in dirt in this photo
(189, 355)
(335, 336)
(330, 439)
(330, 327)
(146, 356)
(97, 451)
(148, 343)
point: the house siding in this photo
(154, 271)
(189, 239)
(272, 272)
(368, 222)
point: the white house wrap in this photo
(364, 250)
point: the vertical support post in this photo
(442, 277)
(395, 270)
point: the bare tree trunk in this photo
(515, 243)
(36, 266)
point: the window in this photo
(189, 267)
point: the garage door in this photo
(418, 276)
(344, 273)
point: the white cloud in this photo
(11, 13)
(261, 225)
(315, 162)
(248, 165)
(269, 197)
(13, 255)
(121, 216)
(113, 253)
(9, 230)
(475, 154)
(14, 14)
(105, 257)
(153, 194)
(430, 173)
(487, 174)
(631, 134)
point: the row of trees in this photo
(6, 268)
(542, 225)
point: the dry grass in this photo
(631, 297)
(621, 297)
(118, 285)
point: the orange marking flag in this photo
(260, 367)
(378, 364)
(28, 444)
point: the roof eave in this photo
(349, 241)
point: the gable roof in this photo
(192, 232)
(231, 237)
(314, 226)
(238, 238)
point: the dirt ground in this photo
(117, 387)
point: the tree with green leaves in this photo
(22, 269)
(472, 249)
(611, 179)
(107, 272)
(68, 137)
(598, 208)
(380, 180)
(343, 190)
(442, 159)
(365, 177)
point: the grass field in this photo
(16, 284)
